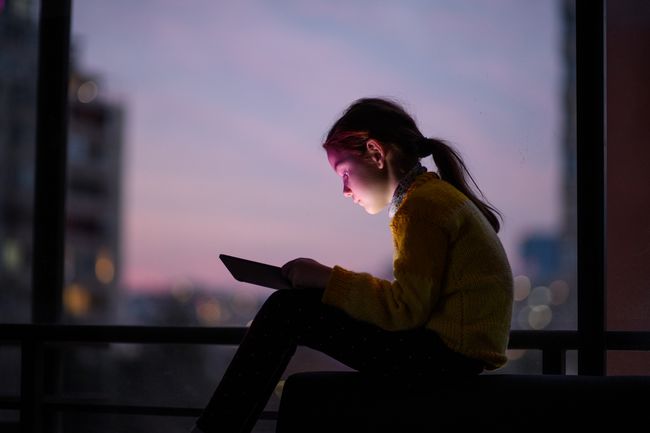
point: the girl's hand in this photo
(306, 273)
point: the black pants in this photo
(290, 318)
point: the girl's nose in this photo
(347, 192)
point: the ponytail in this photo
(452, 169)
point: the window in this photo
(122, 175)
(218, 144)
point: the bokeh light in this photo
(76, 300)
(515, 354)
(11, 255)
(540, 316)
(211, 312)
(87, 92)
(559, 291)
(182, 290)
(521, 287)
(104, 268)
(540, 295)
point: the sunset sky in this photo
(227, 103)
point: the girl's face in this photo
(365, 179)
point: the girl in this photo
(448, 309)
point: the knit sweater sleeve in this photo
(418, 267)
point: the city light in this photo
(210, 312)
(559, 292)
(87, 92)
(540, 295)
(76, 300)
(104, 268)
(521, 287)
(11, 255)
(540, 316)
(182, 290)
(514, 354)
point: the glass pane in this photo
(147, 374)
(155, 375)
(628, 195)
(93, 202)
(210, 140)
(10, 362)
(628, 362)
(160, 374)
(71, 422)
(546, 283)
(18, 77)
(521, 361)
(571, 362)
(110, 423)
(9, 421)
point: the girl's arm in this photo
(421, 254)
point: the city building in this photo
(94, 176)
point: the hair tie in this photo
(424, 147)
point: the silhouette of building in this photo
(93, 214)
(18, 67)
(94, 179)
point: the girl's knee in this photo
(279, 300)
(291, 301)
(278, 297)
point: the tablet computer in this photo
(253, 272)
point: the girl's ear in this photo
(376, 152)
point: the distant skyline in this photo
(227, 104)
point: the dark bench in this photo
(340, 402)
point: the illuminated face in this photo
(365, 180)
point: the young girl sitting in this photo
(448, 308)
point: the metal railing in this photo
(32, 339)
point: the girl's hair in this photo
(387, 122)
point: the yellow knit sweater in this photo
(451, 275)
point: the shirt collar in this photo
(403, 186)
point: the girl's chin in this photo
(371, 211)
